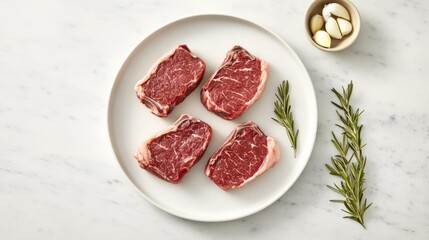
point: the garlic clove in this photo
(333, 29)
(316, 23)
(322, 38)
(326, 12)
(340, 11)
(345, 26)
(336, 10)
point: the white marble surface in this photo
(60, 180)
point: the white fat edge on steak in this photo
(154, 106)
(143, 155)
(138, 88)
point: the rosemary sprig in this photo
(349, 167)
(284, 116)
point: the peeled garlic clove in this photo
(333, 29)
(316, 23)
(336, 10)
(326, 12)
(345, 26)
(322, 38)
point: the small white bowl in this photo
(336, 45)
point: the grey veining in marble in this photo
(60, 180)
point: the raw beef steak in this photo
(171, 153)
(236, 85)
(246, 154)
(170, 80)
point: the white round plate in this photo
(196, 197)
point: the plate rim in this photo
(114, 150)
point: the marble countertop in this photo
(60, 180)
